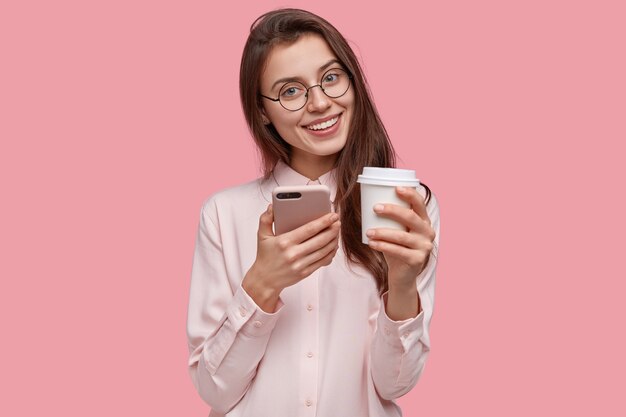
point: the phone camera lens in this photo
(285, 196)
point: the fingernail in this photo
(370, 233)
(401, 189)
(379, 207)
(334, 217)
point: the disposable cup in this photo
(378, 186)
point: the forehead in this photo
(302, 58)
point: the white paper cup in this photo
(378, 186)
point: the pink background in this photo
(118, 118)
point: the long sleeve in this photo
(227, 332)
(400, 348)
(329, 350)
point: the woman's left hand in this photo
(406, 251)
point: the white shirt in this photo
(328, 351)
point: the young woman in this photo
(311, 322)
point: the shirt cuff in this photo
(402, 334)
(246, 316)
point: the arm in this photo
(401, 346)
(227, 332)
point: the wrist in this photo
(402, 303)
(403, 289)
(265, 296)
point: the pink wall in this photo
(118, 118)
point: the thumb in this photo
(265, 223)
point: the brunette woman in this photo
(311, 322)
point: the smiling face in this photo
(318, 131)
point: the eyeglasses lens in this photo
(293, 95)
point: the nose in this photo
(317, 100)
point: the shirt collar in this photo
(285, 175)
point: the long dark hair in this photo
(367, 143)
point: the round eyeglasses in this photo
(293, 95)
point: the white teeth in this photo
(323, 125)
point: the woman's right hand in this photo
(284, 260)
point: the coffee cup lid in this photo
(388, 176)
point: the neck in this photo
(313, 166)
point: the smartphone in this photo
(295, 206)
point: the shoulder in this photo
(228, 200)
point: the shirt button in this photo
(309, 355)
(309, 307)
(405, 335)
(242, 311)
(387, 331)
(258, 324)
(308, 403)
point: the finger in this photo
(413, 241)
(409, 256)
(320, 252)
(399, 237)
(416, 201)
(402, 215)
(320, 240)
(312, 228)
(265, 223)
(325, 261)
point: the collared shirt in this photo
(328, 350)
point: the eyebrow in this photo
(323, 67)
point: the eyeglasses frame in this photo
(306, 95)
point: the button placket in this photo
(309, 344)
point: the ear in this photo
(266, 120)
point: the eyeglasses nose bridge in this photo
(309, 89)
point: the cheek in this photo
(281, 120)
(347, 102)
(349, 99)
(285, 125)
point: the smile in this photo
(324, 125)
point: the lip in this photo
(329, 132)
(317, 121)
